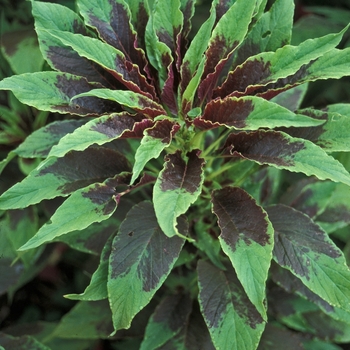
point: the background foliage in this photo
(34, 280)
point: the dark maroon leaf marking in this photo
(215, 297)
(174, 311)
(295, 236)
(250, 73)
(180, 174)
(239, 217)
(80, 169)
(269, 147)
(335, 214)
(225, 112)
(147, 241)
(164, 130)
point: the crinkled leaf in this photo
(250, 113)
(268, 67)
(100, 131)
(153, 143)
(305, 249)
(97, 289)
(109, 58)
(52, 91)
(142, 257)
(332, 136)
(177, 187)
(168, 320)
(272, 31)
(130, 99)
(232, 320)
(337, 213)
(86, 320)
(247, 238)
(285, 152)
(61, 176)
(229, 32)
(93, 203)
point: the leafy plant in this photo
(182, 170)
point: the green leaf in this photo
(232, 320)
(23, 342)
(93, 203)
(133, 100)
(247, 238)
(52, 91)
(305, 249)
(62, 176)
(285, 152)
(250, 113)
(100, 131)
(177, 187)
(142, 257)
(152, 144)
(86, 320)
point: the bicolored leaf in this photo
(85, 206)
(177, 187)
(247, 238)
(249, 113)
(168, 320)
(336, 214)
(39, 143)
(142, 257)
(52, 91)
(62, 176)
(305, 249)
(291, 98)
(130, 99)
(153, 143)
(112, 20)
(293, 284)
(110, 59)
(228, 33)
(289, 61)
(232, 320)
(285, 152)
(102, 130)
(332, 136)
(309, 196)
(271, 31)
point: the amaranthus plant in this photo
(178, 165)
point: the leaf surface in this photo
(52, 91)
(142, 257)
(153, 143)
(177, 187)
(247, 238)
(232, 320)
(305, 249)
(85, 206)
(285, 152)
(133, 100)
(62, 176)
(250, 113)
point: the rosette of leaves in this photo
(181, 151)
